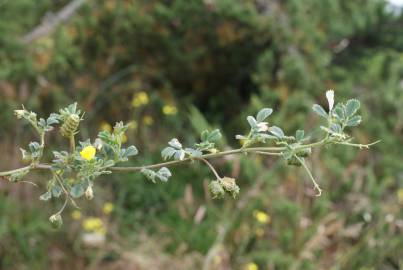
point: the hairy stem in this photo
(276, 150)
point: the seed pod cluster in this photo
(70, 125)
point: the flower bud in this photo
(89, 193)
(56, 221)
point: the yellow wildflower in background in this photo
(105, 126)
(132, 124)
(251, 266)
(88, 152)
(261, 217)
(76, 215)
(148, 120)
(107, 208)
(400, 195)
(140, 99)
(93, 224)
(169, 110)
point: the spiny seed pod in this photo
(229, 185)
(216, 189)
(293, 161)
(70, 125)
(304, 152)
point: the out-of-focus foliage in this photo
(148, 63)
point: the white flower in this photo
(262, 126)
(330, 98)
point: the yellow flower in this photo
(124, 138)
(251, 266)
(108, 208)
(93, 224)
(148, 120)
(88, 152)
(169, 110)
(105, 126)
(400, 195)
(141, 98)
(76, 215)
(261, 217)
(132, 124)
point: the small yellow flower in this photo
(76, 215)
(124, 138)
(148, 120)
(108, 208)
(251, 266)
(132, 124)
(88, 152)
(141, 98)
(259, 232)
(169, 110)
(92, 224)
(105, 126)
(400, 195)
(261, 217)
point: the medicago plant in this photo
(73, 172)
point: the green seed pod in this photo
(56, 221)
(70, 125)
(229, 185)
(293, 161)
(216, 189)
(304, 152)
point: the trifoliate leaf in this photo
(168, 152)
(56, 191)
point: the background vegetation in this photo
(175, 67)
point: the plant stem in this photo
(72, 144)
(276, 150)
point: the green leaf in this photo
(45, 196)
(163, 174)
(319, 110)
(131, 151)
(175, 143)
(335, 128)
(149, 174)
(168, 152)
(77, 191)
(339, 112)
(276, 131)
(56, 191)
(252, 121)
(352, 107)
(263, 114)
(354, 121)
(213, 136)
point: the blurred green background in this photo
(175, 67)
